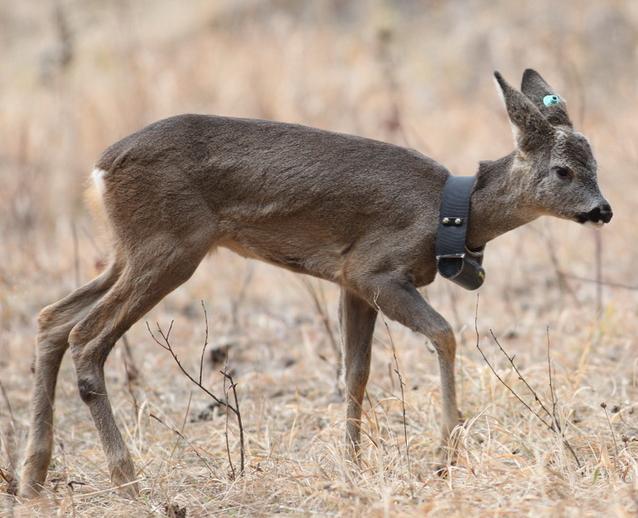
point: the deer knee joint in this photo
(443, 339)
(77, 336)
(53, 320)
(52, 334)
(89, 389)
(45, 317)
(47, 320)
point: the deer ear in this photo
(545, 98)
(531, 129)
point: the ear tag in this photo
(551, 100)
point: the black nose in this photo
(601, 214)
(605, 212)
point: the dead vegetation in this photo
(79, 76)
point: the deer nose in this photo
(605, 212)
(599, 215)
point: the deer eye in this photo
(564, 173)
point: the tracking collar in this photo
(455, 261)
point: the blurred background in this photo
(77, 75)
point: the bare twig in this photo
(554, 424)
(603, 405)
(510, 359)
(167, 346)
(549, 375)
(376, 420)
(132, 372)
(165, 343)
(610, 284)
(319, 301)
(320, 307)
(68, 483)
(230, 457)
(556, 420)
(201, 359)
(233, 387)
(184, 421)
(563, 285)
(183, 437)
(241, 295)
(498, 377)
(401, 386)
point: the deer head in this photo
(553, 170)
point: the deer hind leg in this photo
(357, 325)
(149, 275)
(54, 325)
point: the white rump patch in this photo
(97, 176)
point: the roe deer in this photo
(357, 212)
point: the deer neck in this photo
(497, 203)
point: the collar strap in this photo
(455, 261)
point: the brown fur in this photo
(354, 211)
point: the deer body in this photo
(305, 199)
(354, 211)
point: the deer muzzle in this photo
(598, 215)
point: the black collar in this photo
(455, 261)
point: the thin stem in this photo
(478, 346)
(554, 424)
(551, 383)
(183, 437)
(233, 387)
(401, 386)
(510, 359)
(613, 434)
(167, 345)
(230, 457)
(201, 359)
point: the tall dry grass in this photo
(76, 77)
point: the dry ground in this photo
(409, 72)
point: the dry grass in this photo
(324, 64)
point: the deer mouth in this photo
(597, 217)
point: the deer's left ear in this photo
(545, 98)
(531, 129)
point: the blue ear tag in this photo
(551, 100)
